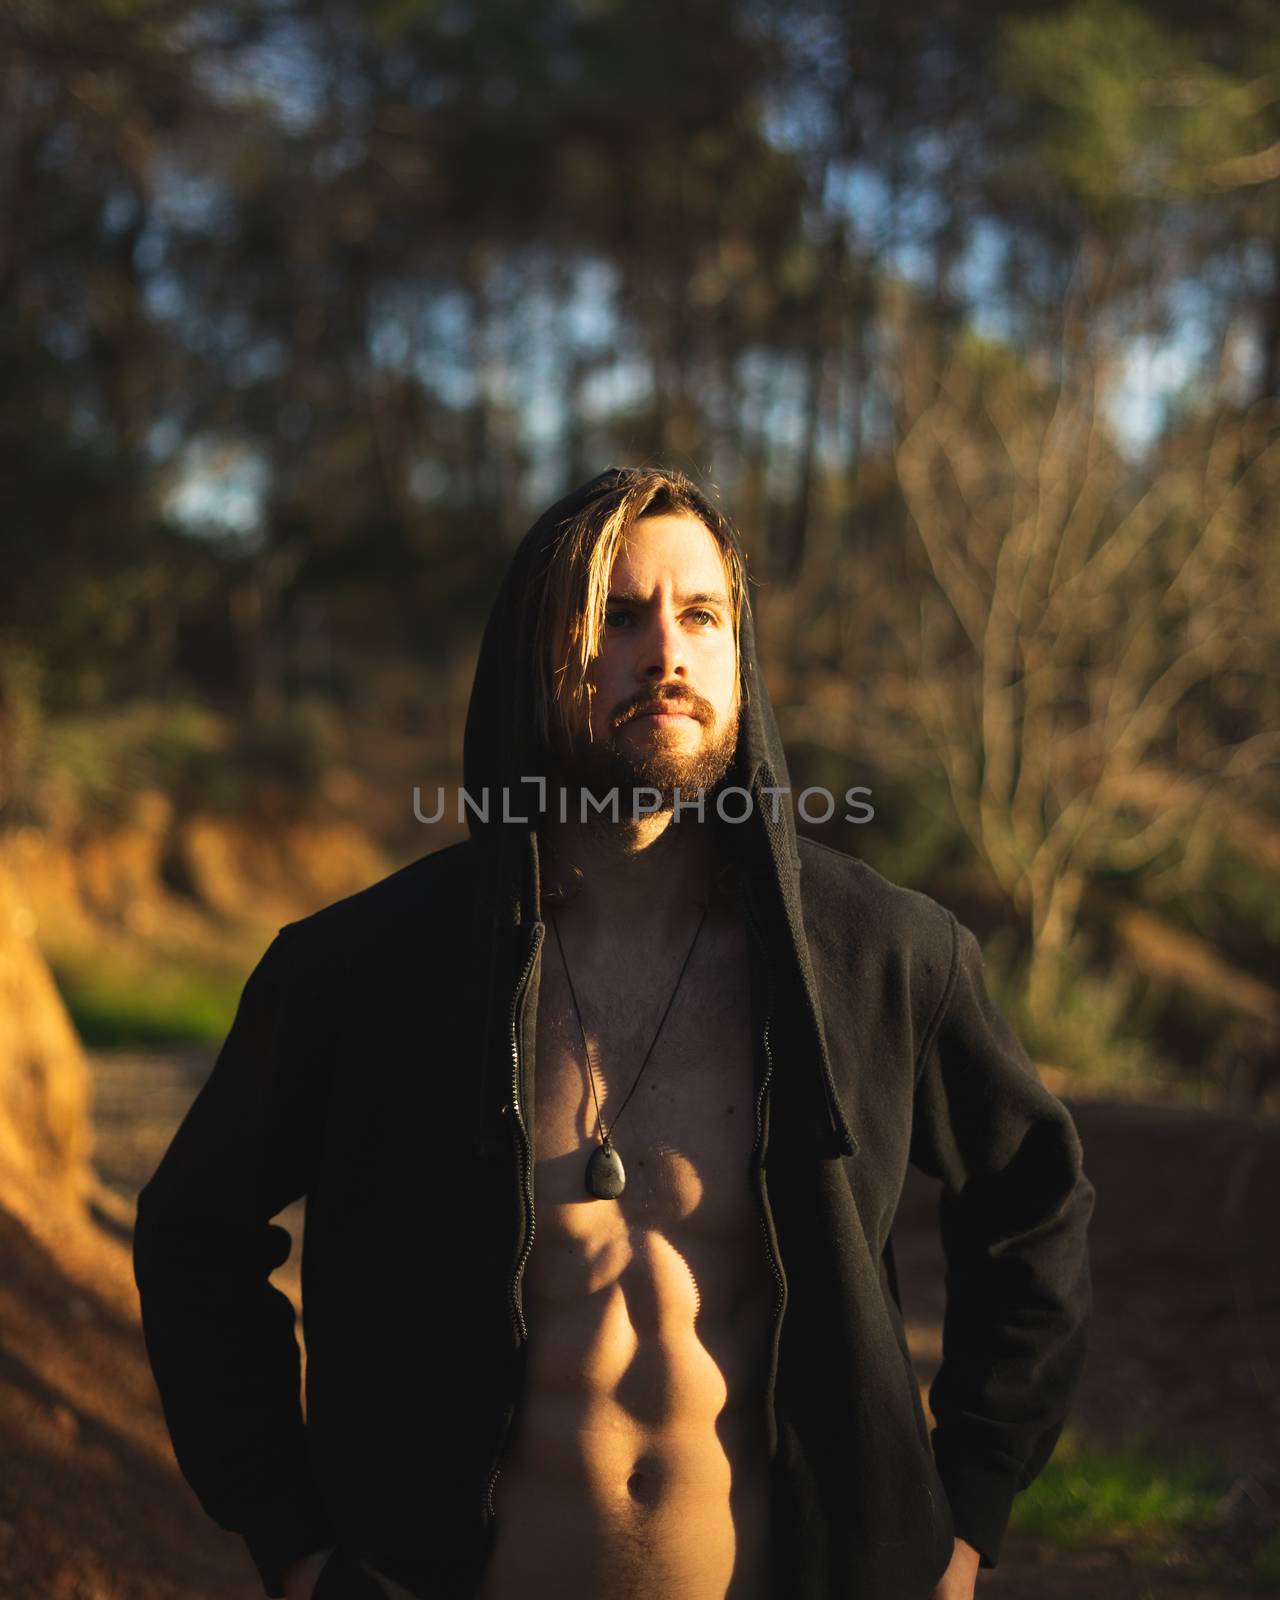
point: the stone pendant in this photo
(606, 1178)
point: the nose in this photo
(663, 654)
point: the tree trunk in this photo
(1054, 904)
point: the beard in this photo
(600, 765)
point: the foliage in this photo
(1133, 108)
(94, 767)
(1096, 1027)
(306, 309)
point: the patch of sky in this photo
(234, 329)
(1260, 265)
(1162, 370)
(185, 201)
(858, 193)
(557, 342)
(787, 415)
(62, 145)
(439, 328)
(339, 157)
(454, 383)
(1156, 371)
(751, 378)
(931, 153)
(428, 91)
(812, 46)
(163, 438)
(916, 214)
(799, 119)
(833, 441)
(279, 70)
(774, 389)
(203, 27)
(84, 423)
(995, 321)
(64, 338)
(220, 490)
(163, 296)
(619, 379)
(257, 362)
(1244, 363)
(425, 329)
(428, 480)
(978, 277)
(401, 67)
(593, 304)
(625, 384)
(539, 359)
(151, 244)
(389, 343)
(353, 91)
(119, 211)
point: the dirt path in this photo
(1186, 1336)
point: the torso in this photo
(638, 1462)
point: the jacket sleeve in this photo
(1014, 1212)
(219, 1336)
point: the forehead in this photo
(676, 548)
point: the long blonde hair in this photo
(575, 591)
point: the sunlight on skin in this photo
(649, 1291)
(958, 1581)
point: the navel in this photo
(644, 1484)
(643, 1487)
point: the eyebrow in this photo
(708, 597)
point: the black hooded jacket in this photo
(381, 1064)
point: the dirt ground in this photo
(1185, 1338)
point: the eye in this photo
(704, 618)
(616, 616)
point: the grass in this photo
(1162, 1501)
(1135, 1484)
(117, 1000)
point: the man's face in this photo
(665, 707)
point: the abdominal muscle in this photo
(638, 1464)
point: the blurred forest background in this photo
(969, 313)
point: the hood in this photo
(501, 747)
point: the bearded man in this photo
(602, 1117)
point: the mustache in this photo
(672, 699)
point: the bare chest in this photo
(640, 1460)
(684, 1126)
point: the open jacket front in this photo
(381, 1063)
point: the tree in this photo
(1076, 618)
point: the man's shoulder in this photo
(843, 896)
(433, 890)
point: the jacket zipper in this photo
(526, 1183)
(779, 1278)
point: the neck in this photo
(639, 875)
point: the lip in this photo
(664, 716)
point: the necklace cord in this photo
(601, 1133)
